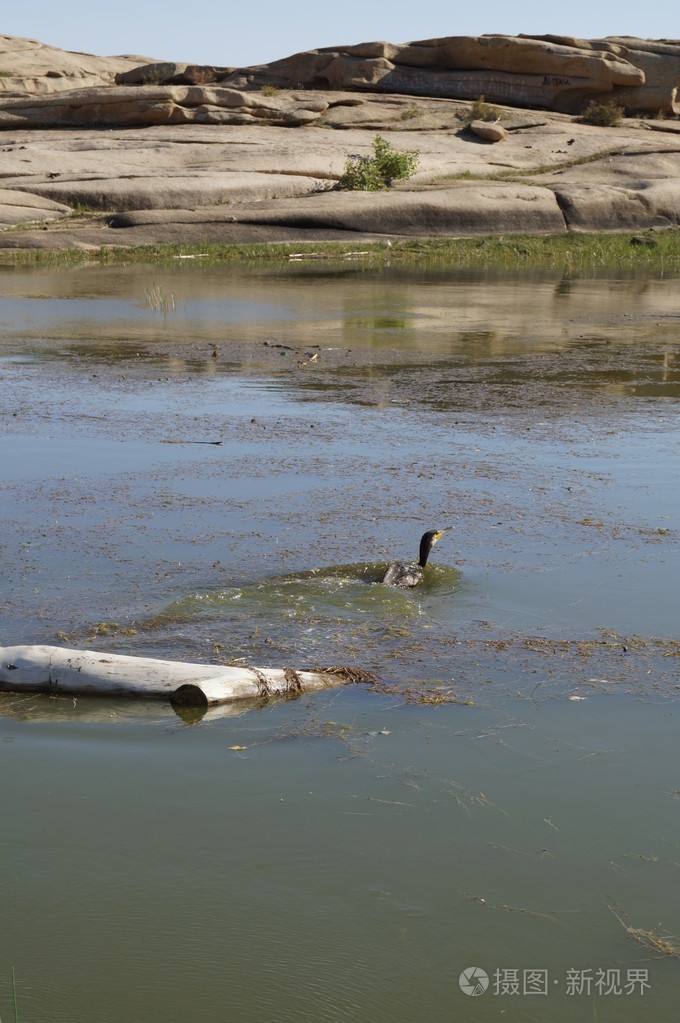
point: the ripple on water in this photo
(337, 595)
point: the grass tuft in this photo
(481, 111)
(159, 301)
(410, 113)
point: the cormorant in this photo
(412, 574)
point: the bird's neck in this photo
(424, 554)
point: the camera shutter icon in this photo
(473, 981)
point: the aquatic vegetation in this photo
(654, 939)
(158, 300)
(570, 252)
(14, 997)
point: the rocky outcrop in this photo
(173, 73)
(29, 67)
(659, 61)
(548, 72)
(142, 105)
(504, 69)
(170, 172)
(44, 87)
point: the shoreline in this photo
(650, 249)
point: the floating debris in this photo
(51, 669)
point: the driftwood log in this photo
(52, 669)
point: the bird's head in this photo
(427, 542)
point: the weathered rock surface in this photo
(31, 67)
(551, 72)
(209, 154)
(606, 207)
(18, 207)
(464, 208)
(177, 192)
(628, 191)
(558, 73)
(191, 184)
(659, 61)
(505, 69)
(142, 105)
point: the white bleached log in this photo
(52, 669)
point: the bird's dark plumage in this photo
(410, 575)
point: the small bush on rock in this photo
(605, 115)
(371, 173)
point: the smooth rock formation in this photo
(551, 72)
(463, 208)
(546, 72)
(659, 61)
(142, 105)
(185, 154)
(17, 207)
(31, 67)
(192, 184)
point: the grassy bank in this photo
(658, 250)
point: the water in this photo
(502, 798)
(352, 861)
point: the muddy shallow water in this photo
(227, 477)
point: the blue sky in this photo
(242, 33)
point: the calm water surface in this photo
(347, 855)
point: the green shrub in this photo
(604, 115)
(371, 173)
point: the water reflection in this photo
(435, 309)
(85, 711)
